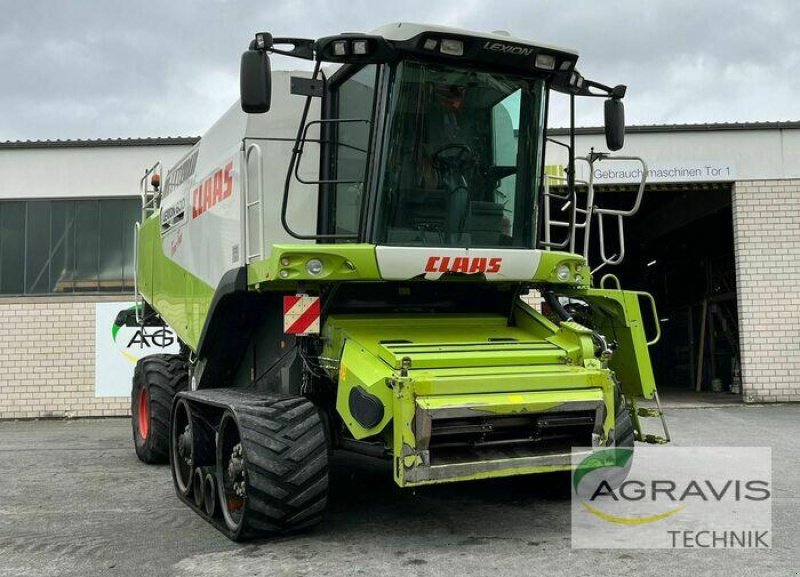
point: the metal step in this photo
(649, 413)
(655, 440)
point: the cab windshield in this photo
(462, 158)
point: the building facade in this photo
(67, 213)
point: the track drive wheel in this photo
(272, 467)
(156, 381)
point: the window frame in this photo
(535, 165)
(326, 206)
(126, 289)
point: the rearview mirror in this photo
(255, 82)
(615, 123)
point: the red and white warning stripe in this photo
(301, 315)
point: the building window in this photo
(67, 246)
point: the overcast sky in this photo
(131, 68)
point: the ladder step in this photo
(647, 413)
(655, 440)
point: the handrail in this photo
(153, 202)
(572, 199)
(592, 209)
(657, 322)
(256, 203)
(572, 203)
(548, 243)
(639, 193)
(137, 225)
(621, 232)
(610, 276)
(305, 139)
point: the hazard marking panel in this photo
(301, 315)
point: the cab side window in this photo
(354, 109)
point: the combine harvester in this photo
(342, 256)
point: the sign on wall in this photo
(118, 348)
(630, 172)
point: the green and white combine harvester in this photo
(343, 257)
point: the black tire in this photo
(623, 424)
(156, 381)
(285, 459)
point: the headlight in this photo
(562, 272)
(314, 267)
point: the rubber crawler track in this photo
(287, 466)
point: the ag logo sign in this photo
(118, 347)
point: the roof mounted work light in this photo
(354, 49)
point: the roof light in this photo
(452, 47)
(545, 61)
(565, 65)
(430, 44)
(340, 48)
(360, 47)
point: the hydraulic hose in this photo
(555, 305)
(603, 349)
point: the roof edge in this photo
(582, 130)
(100, 142)
(701, 127)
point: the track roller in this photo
(192, 447)
(198, 479)
(210, 493)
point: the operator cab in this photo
(430, 136)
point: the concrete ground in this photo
(74, 501)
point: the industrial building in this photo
(717, 242)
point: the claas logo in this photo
(463, 264)
(214, 189)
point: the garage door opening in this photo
(680, 248)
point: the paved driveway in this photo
(75, 501)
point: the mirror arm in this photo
(597, 90)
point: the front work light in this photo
(353, 48)
(452, 47)
(545, 62)
(360, 47)
(314, 267)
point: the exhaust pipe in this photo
(197, 487)
(210, 494)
